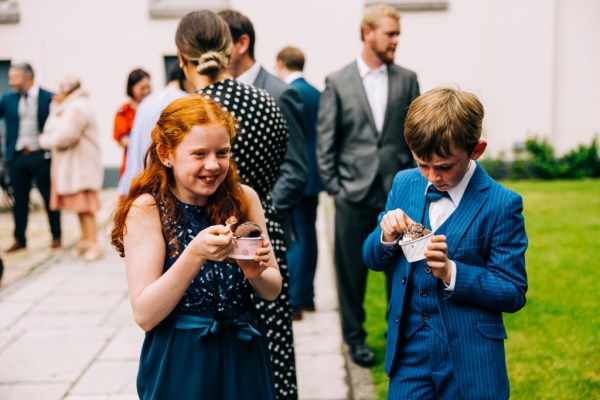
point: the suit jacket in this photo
(310, 98)
(350, 152)
(293, 174)
(9, 110)
(486, 239)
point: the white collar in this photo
(292, 76)
(33, 91)
(249, 76)
(456, 193)
(363, 68)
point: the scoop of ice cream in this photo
(248, 229)
(414, 232)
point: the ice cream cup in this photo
(244, 248)
(414, 250)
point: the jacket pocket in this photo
(492, 330)
(472, 242)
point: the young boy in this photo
(445, 337)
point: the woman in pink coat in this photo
(76, 171)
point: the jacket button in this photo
(386, 257)
(423, 293)
(397, 320)
(425, 315)
(404, 281)
(428, 270)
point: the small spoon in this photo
(231, 221)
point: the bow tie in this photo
(434, 195)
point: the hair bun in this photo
(211, 62)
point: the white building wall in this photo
(576, 100)
(533, 63)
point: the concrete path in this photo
(66, 329)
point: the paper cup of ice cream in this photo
(414, 249)
(247, 239)
(244, 248)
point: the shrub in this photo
(537, 160)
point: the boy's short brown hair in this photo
(443, 120)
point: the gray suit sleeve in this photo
(293, 174)
(327, 127)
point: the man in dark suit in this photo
(302, 250)
(293, 175)
(360, 147)
(25, 111)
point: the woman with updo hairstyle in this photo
(204, 45)
(76, 170)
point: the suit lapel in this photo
(473, 199)
(359, 88)
(261, 78)
(393, 90)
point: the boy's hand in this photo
(437, 258)
(393, 223)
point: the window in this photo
(9, 11)
(179, 8)
(413, 5)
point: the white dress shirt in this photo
(249, 76)
(28, 129)
(292, 76)
(375, 82)
(441, 210)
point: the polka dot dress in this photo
(258, 150)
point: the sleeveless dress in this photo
(258, 150)
(212, 346)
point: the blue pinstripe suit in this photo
(486, 239)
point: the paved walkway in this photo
(67, 332)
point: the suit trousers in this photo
(24, 171)
(353, 223)
(303, 252)
(423, 369)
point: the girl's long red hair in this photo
(174, 123)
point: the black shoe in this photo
(362, 355)
(296, 314)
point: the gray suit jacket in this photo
(293, 174)
(350, 152)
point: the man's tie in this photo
(434, 195)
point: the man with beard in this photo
(360, 147)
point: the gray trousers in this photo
(353, 223)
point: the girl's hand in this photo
(213, 243)
(252, 269)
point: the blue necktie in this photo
(434, 195)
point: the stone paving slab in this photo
(34, 391)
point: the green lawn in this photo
(553, 346)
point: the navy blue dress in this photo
(213, 345)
